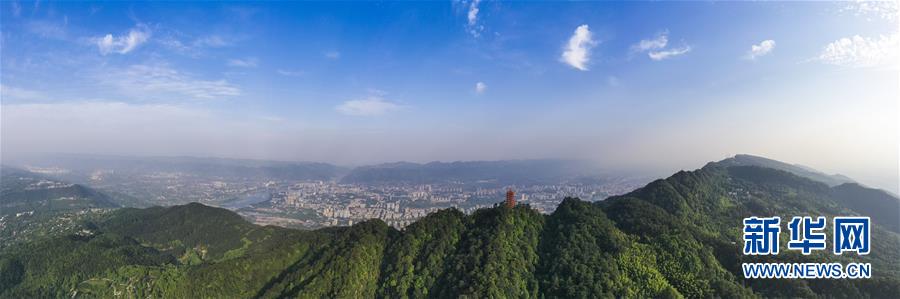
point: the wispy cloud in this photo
(124, 43)
(162, 81)
(332, 54)
(213, 41)
(858, 51)
(46, 29)
(763, 48)
(246, 62)
(656, 47)
(371, 106)
(472, 17)
(291, 73)
(473, 12)
(658, 42)
(578, 51)
(191, 46)
(666, 54)
(480, 87)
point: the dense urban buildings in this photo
(320, 203)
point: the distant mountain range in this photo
(675, 237)
(78, 168)
(23, 191)
(799, 170)
(505, 172)
(882, 206)
(33, 206)
(498, 172)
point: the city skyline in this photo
(661, 86)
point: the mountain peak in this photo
(800, 170)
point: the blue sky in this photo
(655, 86)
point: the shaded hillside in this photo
(211, 231)
(677, 237)
(883, 207)
(23, 191)
(799, 170)
(705, 207)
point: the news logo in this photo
(805, 235)
(851, 234)
(761, 235)
(848, 234)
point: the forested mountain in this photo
(23, 191)
(676, 237)
(883, 207)
(799, 170)
(32, 206)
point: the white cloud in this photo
(248, 62)
(666, 54)
(124, 43)
(332, 54)
(578, 51)
(472, 17)
(213, 41)
(9, 92)
(47, 29)
(858, 51)
(291, 73)
(885, 10)
(480, 87)
(161, 80)
(191, 46)
(656, 47)
(763, 48)
(658, 42)
(371, 106)
(473, 12)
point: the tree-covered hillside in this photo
(799, 170)
(23, 191)
(677, 237)
(33, 206)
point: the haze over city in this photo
(457, 149)
(655, 88)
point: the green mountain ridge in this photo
(676, 237)
(33, 206)
(23, 191)
(796, 169)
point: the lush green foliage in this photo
(22, 191)
(417, 258)
(881, 206)
(583, 255)
(678, 237)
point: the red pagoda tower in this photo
(510, 198)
